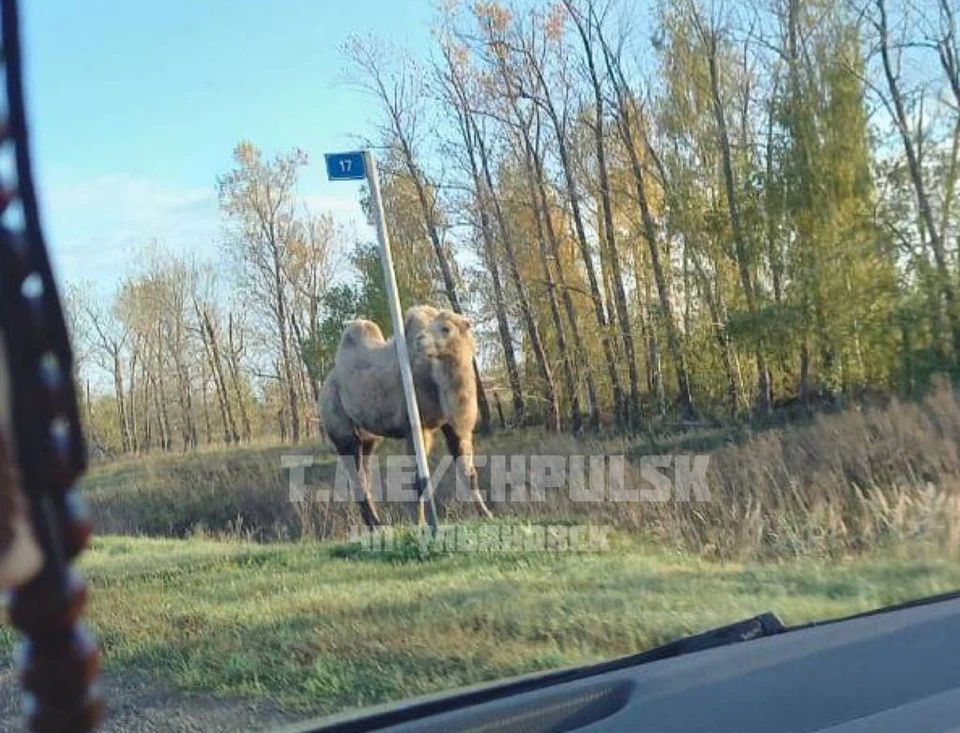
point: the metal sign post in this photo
(356, 166)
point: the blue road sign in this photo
(345, 166)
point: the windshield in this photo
(673, 287)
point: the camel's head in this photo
(451, 335)
(416, 326)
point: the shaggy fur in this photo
(449, 349)
(20, 556)
(362, 401)
(416, 327)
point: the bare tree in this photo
(631, 122)
(526, 310)
(910, 148)
(398, 86)
(235, 352)
(309, 273)
(540, 89)
(258, 198)
(586, 32)
(457, 91)
(709, 34)
(207, 325)
(107, 337)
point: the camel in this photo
(362, 400)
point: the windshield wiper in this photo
(756, 627)
(766, 624)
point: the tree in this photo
(631, 125)
(397, 84)
(106, 338)
(339, 305)
(586, 32)
(458, 90)
(257, 196)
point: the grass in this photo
(840, 483)
(316, 627)
(843, 513)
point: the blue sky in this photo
(135, 108)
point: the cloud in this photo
(97, 227)
(343, 207)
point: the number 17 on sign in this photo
(345, 166)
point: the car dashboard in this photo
(895, 670)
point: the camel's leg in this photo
(427, 447)
(367, 449)
(462, 451)
(353, 448)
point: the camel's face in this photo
(450, 334)
(416, 326)
(425, 344)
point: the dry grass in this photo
(840, 484)
(843, 484)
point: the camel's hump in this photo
(361, 332)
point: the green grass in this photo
(315, 627)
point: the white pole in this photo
(406, 374)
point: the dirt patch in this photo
(138, 704)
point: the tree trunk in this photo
(286, 358)
(121, 404)
(233, 364)
(677, 352)
(619, 292)
(160, 405)
(185, 399)
(648, 330)
(131, 410)
(146, 444)
(207, 427)
(916, 177)
(160, 395)
(468, 129)
(446, 273)
(306, 383)
(542, 219)
(209, 338)
(530, 323)
(538, 176)
(500, 307)
(739, 241)
(573, 197)
(718, 314)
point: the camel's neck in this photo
(458, 371)
(458, 361)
